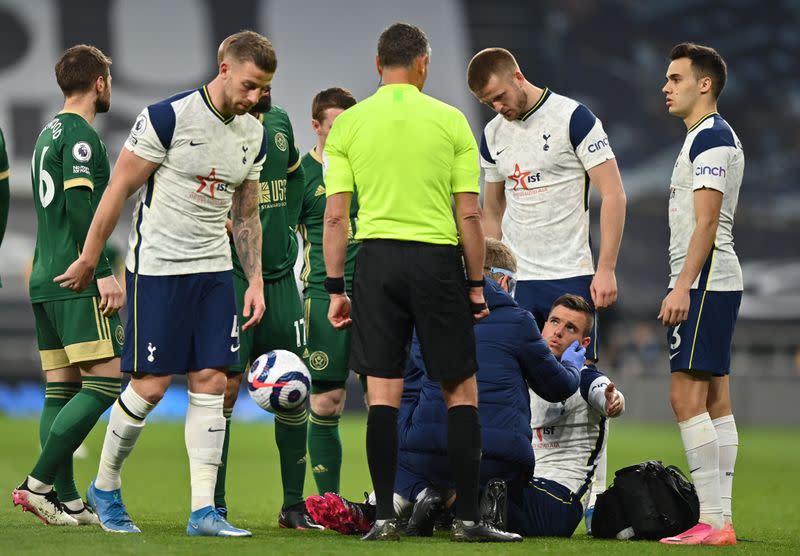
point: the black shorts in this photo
(400, 285)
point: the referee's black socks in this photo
(464, 451)
(382, 456)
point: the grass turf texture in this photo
(156, 491)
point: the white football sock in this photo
(75, 505)
(124, 426)
(702, 454)
(205, 435)
(38, 486)
(728, 447)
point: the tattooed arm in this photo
(246, 231)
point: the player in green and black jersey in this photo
(282, 326)
(328, 349)
(79, 334)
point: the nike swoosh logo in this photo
(118, 436)
(673, 355)
(695, 469)
(215, 430)
(193, 144)
(501, 150)
(234, 349)
(258, 384)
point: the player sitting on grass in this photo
(510, 352)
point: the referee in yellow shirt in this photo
(410, 155)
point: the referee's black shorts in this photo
(399, 285)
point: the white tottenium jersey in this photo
(569, 436)
(179, 218)
(711, 157)
(543, 158)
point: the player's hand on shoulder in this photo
(615, 402)
(112, 297)
(603, 288)
(79, 274)
(339, 311)
(478, 306)
(574, 354)
(675, 307)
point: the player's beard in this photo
(102, 104)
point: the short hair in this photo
(335, 97)
(249, 46)
(79, 67)
(577, 303)
(498, 255)
(488, 62)
(400, 44)
(705, 62)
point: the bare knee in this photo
(464, 392)
(688, 393)
(328, 404)
(151, 388)
(208, 381)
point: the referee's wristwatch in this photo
(476, 283)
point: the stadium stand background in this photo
(609, 54)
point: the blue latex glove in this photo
(574, 354)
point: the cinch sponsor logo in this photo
(596, 146)
(717, 171)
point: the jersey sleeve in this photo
(294, 151)
(151, 134)
(336, 169)
(711, 153)
(588, 138)
(80, 156)
(466, 172)
(488, 163)
(593, 388)
(261, 158)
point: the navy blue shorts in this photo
(703, 341)
(180, 323)
(544, 508)
(537, 296)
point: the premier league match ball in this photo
(278, 381)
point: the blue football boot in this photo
(206, 522)
(110, 508)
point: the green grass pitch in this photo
(156, 490)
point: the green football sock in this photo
(325, 449)
(73, 423)
(56, 396)
(290, 436)
(219, 488)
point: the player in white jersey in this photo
(568, 436)
(200, 154)
(705, 286)
(539, 155)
